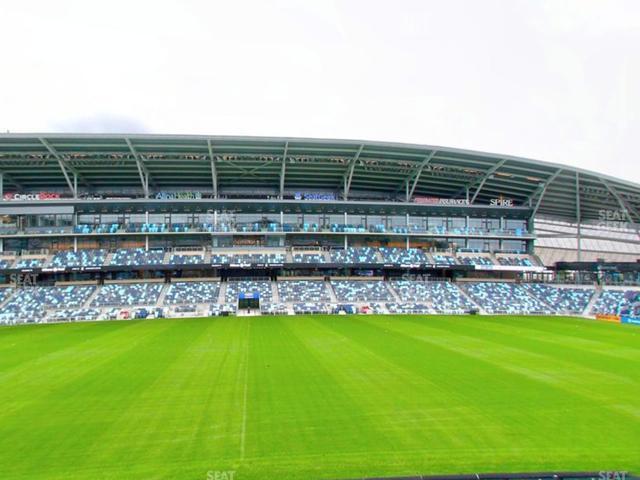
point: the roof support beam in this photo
(416, 175)
(214, 171)
(624, 206)
(7, 177)
(543, 190)
(483, 180)
(142, 168)
(348, 175)
(283, 169)
(64, 167)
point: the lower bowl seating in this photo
(303, 291)
(310, 308)
(443, 297)
(498, 297)
(248, 287)
(128, 294)
(32, 304)
(361, 291)
(561, 299)
(617, 302)
(192, 293)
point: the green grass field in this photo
(318, 397)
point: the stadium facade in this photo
(200, 224)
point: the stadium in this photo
(312, 308)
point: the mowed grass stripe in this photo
(420, 422)
(606, 338)
(578, 362)
(316, 397)
(508, 398)
(176, 419)
(37, 379)
(486, 431)
(21, 344)
(69, 421)
(297, 413)
(562, 403)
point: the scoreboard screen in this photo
(249, 300)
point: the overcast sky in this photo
(553, 80)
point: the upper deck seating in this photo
(146, 227)
(29, 262)
(192, 293)
(515, 261)
(127, 294)
(346, 227)
(303, 291)
(247, 258)
(561, 299)
(444, 259)
(137, 256)
(314, 257)
(474, 260)
(497, 297)
(182, 259)
(81, 258)
(361, 290)
(6, 263)
(354, 255)
(403, 255)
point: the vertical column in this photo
(346, 243)
(578, 217)
(146, 243)
(75, 244)
(281, 220)
(1, 186)
(345, 218)
(146, 216)
(215, 219)
(1, 244)
(407, 244)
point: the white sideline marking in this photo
(243, 432)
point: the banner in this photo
(26, 197)
(441, 201)
(178, 196)
(313, 196)
(501, 202)
(608, 317)
(631, 320)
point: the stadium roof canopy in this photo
(99, 162)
